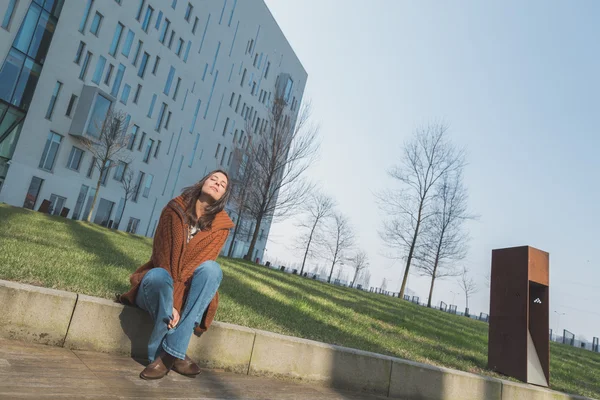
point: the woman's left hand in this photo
(175, 320)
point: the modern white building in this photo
(189, 74)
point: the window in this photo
(253, 91)
(168, 120)
(156, 63)
(71, 106)
(142, 141)
(140, 9)
(187, 51)
(125, 94)
(138, 186)
(137, 94)
(98, 114)
(267, 69)
(79, 53)
(212, 69)
(229, 159)
(104, 212)
(117, 84)
(225, 126)
(147, 18)
(243, 78)
(193, 155)
(218, 149)
(179, 47)
(288, 89)
(9, 14)
(84, 67)
(235, 136)
(173, 4)
(56, 204)
(99, 70)
(128, 43)
(148, 185)
(176, 89)
(237, 106)
(157, 149)
(158, 20)
(108, 74)
(171, 39)
(143, 64)
(138, 50)
(80, 199)
(195, 116)
(55, 93)
(163, 30)
(152, 103)
(223, 156)
(188, 12)
(134, 131)
(114, 46)
(75, 159)
(169, 81)
(86, 15)
(232, 99)
(195, 25)
(255, 60)
(96, 22)
(105, 172)
(120, 171)
(90, 170)
(132, 225)
(161, 116)
(32, 193)
(50, 151)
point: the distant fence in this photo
(443, 306)
(452, 309)
(568, 338)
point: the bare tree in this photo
(107, 147)
(425, 160)
(467, 284)
(384, 285)
(359, 263)
(242, 180)
(281, 150)
(444, 240)
(318, 208)
(129, 186)
(341, 240)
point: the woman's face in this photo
(215, 186)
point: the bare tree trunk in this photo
(331, 272)
(355, 276)
(235, 232)
(308, 245)
(254, 238)
(411, 252)
(435, 267)
(89, 216)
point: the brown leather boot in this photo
(158, 368)
(186, 367)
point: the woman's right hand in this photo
(174, 320)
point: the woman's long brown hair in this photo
(191, 194)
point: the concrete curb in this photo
(35, 314)
(83, 322)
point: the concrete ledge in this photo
(520, 391)
(35, 314)
(411, 380)
(105, 326)
(306, 360)
(224, 346)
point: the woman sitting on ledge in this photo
(178, 286)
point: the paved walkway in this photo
(30, 371)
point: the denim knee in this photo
(210, 269)
(158, 277)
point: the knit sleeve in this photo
(166, 248)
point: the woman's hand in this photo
(175, 320)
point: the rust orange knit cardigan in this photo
(171, 252)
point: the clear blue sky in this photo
(518, 83)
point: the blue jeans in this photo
(155, 295)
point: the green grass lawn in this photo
(85, 258)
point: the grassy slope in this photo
(84, 258)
